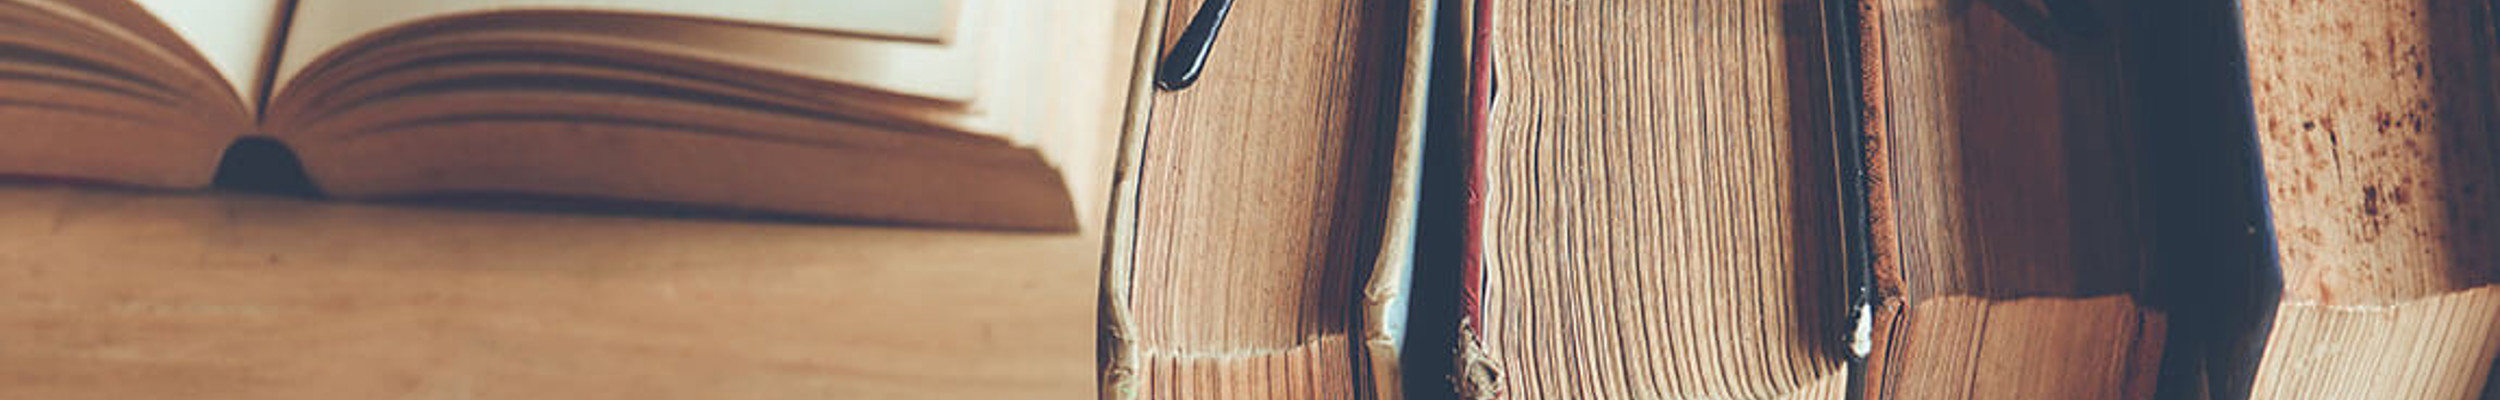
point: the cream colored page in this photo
(925, 20)
(233, 35)
(933, 70)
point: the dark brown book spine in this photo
(1885, 291)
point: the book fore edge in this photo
(1117, 356)
(1384, 300)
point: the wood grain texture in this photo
(2376, 125)
(113, 295)
(1654, 221)
(1261, 198)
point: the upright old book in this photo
(2004, 203)
(1261, 217)
(1652, 203)
(911, 112)
(2376, 124)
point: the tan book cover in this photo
(2381, 156)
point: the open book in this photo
(892, 111)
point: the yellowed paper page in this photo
(935, 70)
(233, 35)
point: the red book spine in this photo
(1479, 98)
(1478, 374)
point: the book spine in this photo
(1478, 372)
(1116, 354)
(1840, 42)
(1479, 98)
(1385, 301)
(1885, 291)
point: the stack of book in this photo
(1894, 199)
(1482, 199)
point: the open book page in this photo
(914, 20)
(233, 35)
(939, 68)
(1009, 57)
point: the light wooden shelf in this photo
(125, 295)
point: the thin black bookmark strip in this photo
(1840, 28)
(1188, 58)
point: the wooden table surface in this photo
(122, 295)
